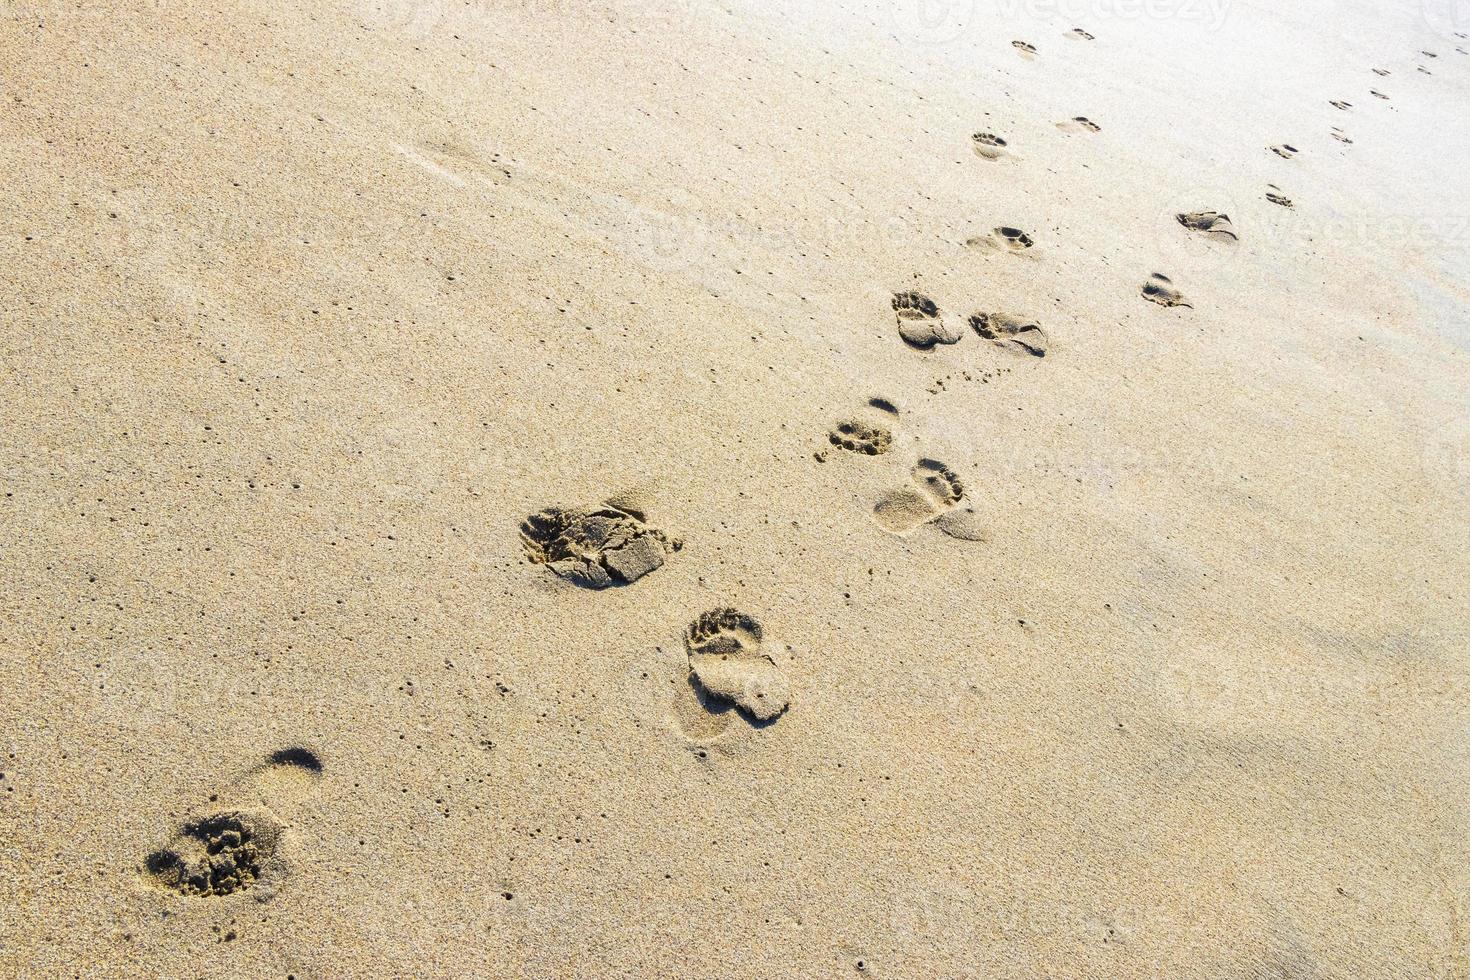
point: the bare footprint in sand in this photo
(1378, 95)
(1275, 196)
(1284, 150)
(1381, 71)
(1079, 124)
(988, 146)
(1339, 104)
(857, 436)
(1340, 136)
(726, 664)
(920, 323)
(1013, 333)
(1211, 223)
(237, 848)
(935, 490)
(1025, 50)
(1160, 289)
(1078, 34)
(596, 549)
(1004, 239)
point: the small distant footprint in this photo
(1339, 104)
(1209, 223)
(1284, 150)
(1381, 71)
(1025, 50)
(920, 323)
(1424, 70)
(1078, 34)
(1003, 239)
(989, 146)
(1014, 333)
(727, 665)
(1340, 136)
(1160, 289)
(596, 549)
(237, 848)
(1079, 124)
(1275, 196)
(1378, 95)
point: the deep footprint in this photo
(1014, 333)
(219, 855)
(1209, 223)
(920, 323)
(726, 664)
(596, 549)
(1160, 289)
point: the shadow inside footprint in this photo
(1014, 333)
(1209, 223)
(726, 664)
(988, 146)
(1160, 289)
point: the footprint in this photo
(1284, 150)
(237, 849)
(1340, 136)
(857, 436)
(1003, 239)
(726, 664)
(1209, 223)
(1378, 95)
(1339, 104)
(1381, 71)
(1078, 34)
(596, 549)
(1014, 333)
(1026, 51)
(1275, 197)
(919, 322)
(935, 491)
(1160, 289)
(989, 146)
(1425, 70)
(1079, 124)
(220, 855)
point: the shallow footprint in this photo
(1003, 239)
(1078, 34)
(1025, 50)
(988, 146)
(595, 549)
(1209, 223)
(1079, 124)
(935, 491)
(1275, 197)
(1160, 289)
(1014, 333)
(920, 323)
(1378, 95)
(1339, 104)
(726, 665)
(1284, 150)
(1340, 136)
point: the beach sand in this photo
(735, 488)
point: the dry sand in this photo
(1116, 639)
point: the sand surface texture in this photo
(723, 488)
